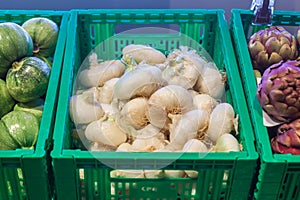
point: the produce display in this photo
(151, 102)
(26, 51)
(274, 53)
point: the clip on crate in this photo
(80, 174)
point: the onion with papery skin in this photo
(133, 114)
(171, 99)
(147, 144)
(84, 109)
(222, 120)
(194, 145)
(211, 81)
(147, 132)
(226, 143)
(183, 67)
(191, 125)
(106, 92)
(143, 53)
(205, 102)
(141, 81)
(99, 73)
(105, 131)
(124, 147)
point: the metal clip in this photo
(263, 12)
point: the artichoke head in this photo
(288, 138)
(271, 45)
(298, 35)
(279, 91)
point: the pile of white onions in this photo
(151, 102)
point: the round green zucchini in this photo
(15, 43)
(44, 33)
(28, 79)
(22, 127)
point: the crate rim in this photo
(276, 12)
(33, 12)
(150, 10)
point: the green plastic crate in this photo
(24, 173)
(80, 175)
(279, 174)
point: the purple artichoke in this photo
(270, 46)
(298, 35)
(279, 91)
(288, 138)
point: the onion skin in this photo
(205, 102)
(172, 99)
(211, 82)
(106, 92)
(222, 121)
(139, 82)
(144, 53)
(226, 143)
(105, 132)
(133, 114)
(194, 145)
(191, 125)
(97, 75)
(83, 109)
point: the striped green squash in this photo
(44, 34)
(15, 43)
(18, 129)
(28, 79)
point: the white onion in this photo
(133, 114)
(194, 145)
(141, 81)
(106, 132)
(222, 121)
(192, 124)
(211, 82)
(172, 99)
(226, 143)
(84, 109)
(97, 75)
(106, 92)
(144, 53)
(205, 102)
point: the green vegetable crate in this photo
(24, 172)
(80, 174)
(279, 174)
